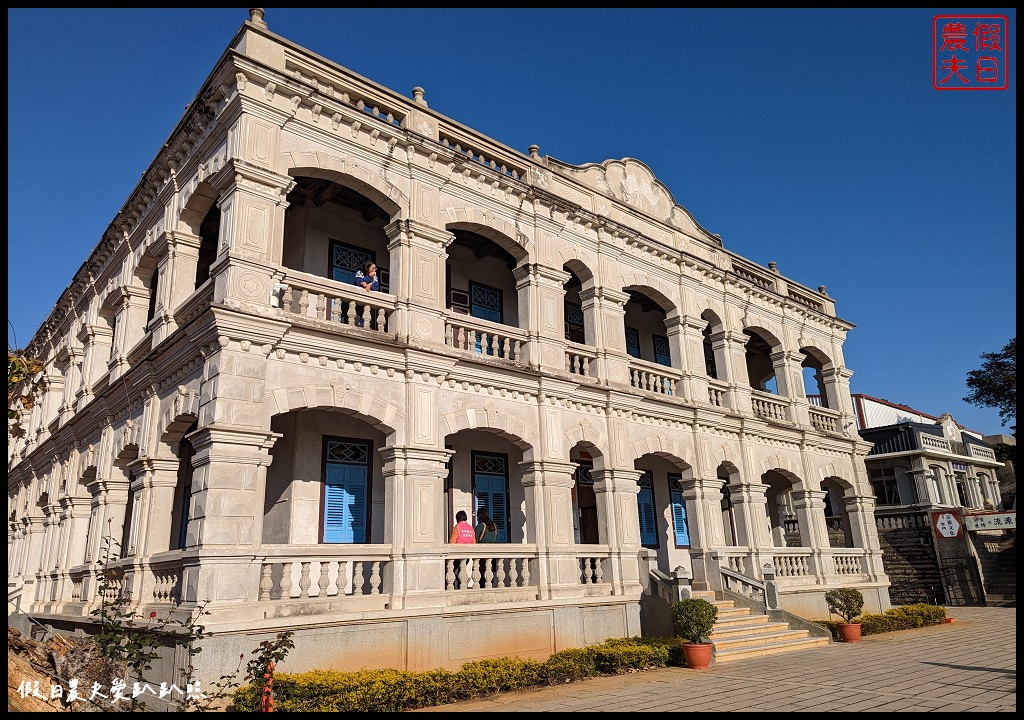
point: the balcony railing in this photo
(653, 377)
(716, 392)
(579, 359)
(767, 406)
(490, 567)
(823, 419)
(317, 298)
(297, 573)
(470, 334)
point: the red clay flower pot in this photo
(849, 632)
(697, 655)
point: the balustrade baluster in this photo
(475, 572)
(449, 575)
(598, 571)
(304, 581)
(266, 582)
(350, 314)
(449, 337)
(505, 348)
(525, 571)
(375, 578)
(324, 580)
(488, 574)
(320, 306)
(381, 320)
(501, 572)
(286, 580)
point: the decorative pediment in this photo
(632, 183)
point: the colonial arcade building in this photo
(229, 419)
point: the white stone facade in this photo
(207, 375)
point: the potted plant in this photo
(694, 619)
(847, 603)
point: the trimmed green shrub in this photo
(669, 644)
(391, 690)
(847, 603)
(897, 618)
(694, 619)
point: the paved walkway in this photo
(966, 666)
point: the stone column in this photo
(860, 509)
(707, 532)
(252, 204)
(619, 521)
(417, 255)
(129, 326)
(96, 341)
(605, 310)
(751, 509)
(226, 513)
(548, 486)
(730, 348)
(414, 522)
(159, 478)
(77, 510)
(183, 251)
(691, 341)
(809, 506)
(72, 381)
(542, 314)
(790, 383)
(837, 389)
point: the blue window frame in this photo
(633, 342)
(346, 490)
(347, 259)
(645, 509)
(485, 302)
(679, 524)
(662, 354)
(490, 489)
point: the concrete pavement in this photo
(966, 666)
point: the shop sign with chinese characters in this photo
(947, 523)
(970, 52)
(991, 521)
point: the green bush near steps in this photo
(389, 690)
(905, 617)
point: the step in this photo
(740, 619)
(771, 648)
(726, 614)
(734, 629)
(758, 639)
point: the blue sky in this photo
(812, 138)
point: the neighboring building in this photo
(918, 465)
(562, 345)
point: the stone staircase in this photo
(1001, 573)
(740, 634)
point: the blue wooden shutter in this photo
(345, 504)
(648, 527)
(633, 342)
(679, 519)
(662, 351)
(491, 495)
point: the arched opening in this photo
(662, 510)
(575, 323)
(325, 482)
(812, 370)
(713, 360)
(479, 277)
(182, 491)
(485, 473)
(586, 528)
(760, 368)
(782, 519)
(837, 520)
(332, 231)
(209, 239)
(730, 477)
(645, 329)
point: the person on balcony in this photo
(367, 278)
(462, 534)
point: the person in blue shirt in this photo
(367, 278)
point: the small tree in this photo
(847, 603)
(694, 619)
(994, 384)
(24, 385)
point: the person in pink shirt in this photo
(462, 534)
